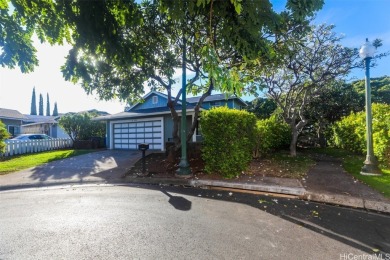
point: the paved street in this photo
(150, 222)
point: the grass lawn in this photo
(353, 163)
(20, 162)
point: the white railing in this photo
(14, 147)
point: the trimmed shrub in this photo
(350, 132)
(271, 134)
(3, 135)
(228, 140)
(81, 127)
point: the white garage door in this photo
(127, 135)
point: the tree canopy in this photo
(80, 126)
(120, 45)
(380, 89)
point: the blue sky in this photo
(358, 20)
(355, 19)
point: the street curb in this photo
(50, 184)
(301, 193)
(157, 181)
(348, 201)
(246, 186)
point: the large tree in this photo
(33, 110)
(311, 61)
(47, 105)
(332, 102)
(40, 105)
(55, 110)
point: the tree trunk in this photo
(321, 135)
(197, 110)
(295, 130)
(294, 140)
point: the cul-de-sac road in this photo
(163, 222)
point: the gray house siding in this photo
(12, 126)
(168, 126)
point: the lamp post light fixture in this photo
(370, 166)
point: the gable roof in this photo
(143, 112)
(215, 97)
(11, 114)
(148, 95)
(41, 119)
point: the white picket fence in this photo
(14, 147)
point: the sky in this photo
(356, 20)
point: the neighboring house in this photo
(13, 120)
(151, 122)
(34, 124)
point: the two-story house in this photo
(150, 121)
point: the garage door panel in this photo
(129, 134)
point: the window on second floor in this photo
(155, 100)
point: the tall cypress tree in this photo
(40, 105)
(33, 110)
(47, 105)
(55, 110)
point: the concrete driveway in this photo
(108, 166)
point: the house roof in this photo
(147, 95)
(215, 97)
(40, 119)
(11, 114)
(143, 112)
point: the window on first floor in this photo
(14, 130)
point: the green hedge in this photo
(229, 137)
(271, 134)
(350, 132)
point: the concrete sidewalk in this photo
(326, 182)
